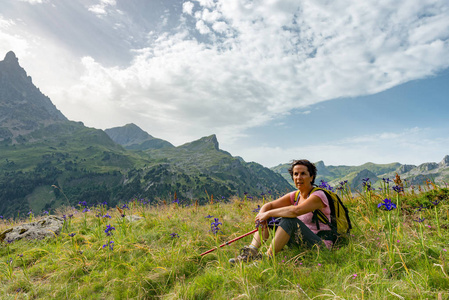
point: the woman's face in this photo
(301, 177)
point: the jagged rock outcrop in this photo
(321, 169)
(205, 143)
(425, 167)
(23, 108)
(405, 168)
(445, 162)
(47, 227)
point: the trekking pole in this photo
(229, 242)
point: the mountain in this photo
(132, 137)
(411, 174)
(47, 161)
(23, 108)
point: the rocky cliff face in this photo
(23, 108)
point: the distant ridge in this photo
(411, 174)
(133, 137)
(23, 108)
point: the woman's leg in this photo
(280, 239)
(256, 238)
(292, 229)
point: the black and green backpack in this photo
(339, 223)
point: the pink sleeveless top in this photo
(307, 218)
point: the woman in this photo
(296, 225)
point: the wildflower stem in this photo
(437, 221)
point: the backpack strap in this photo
(294, 199)
(319, 216)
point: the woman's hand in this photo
(262, 217)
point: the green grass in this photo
(408, 261)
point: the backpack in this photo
(340, 223)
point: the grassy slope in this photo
(409, 260)
(67, 141)
(77, 159)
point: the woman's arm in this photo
(280, 202)
(289, 211)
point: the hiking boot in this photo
(247, 254)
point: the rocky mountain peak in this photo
(127, 135)
(10, 68)
(23, 108)
(11, 58)
(207, 142)
(212, 139)
(444, 162)
(133, 137)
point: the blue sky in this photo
(345, 82)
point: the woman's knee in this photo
(289, 225)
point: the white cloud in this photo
(220, 27)
(283, 56)
(202, 27)
(210, 16)
(250, 63)
(34, 1)
(101, 8)
(206, 3)
(187, 7)
(10, 41)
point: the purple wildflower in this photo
(420, 220)
(257, 209)
(325, 185)
(108, 230)
(214, 226)
(398, 188)
(387, 205)
(367, 184)
(110, 244)
(273, 221)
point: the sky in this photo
(343, 82)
